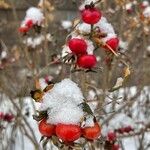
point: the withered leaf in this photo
(86, 108)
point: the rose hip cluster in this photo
(111, 138)
(33, 19)
(79, 48)
(98, 29)
(69, 132)
(63, 113)
(8, 117)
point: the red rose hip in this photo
(29, 23)
(91, 15)
(68, 133)
(111, 136)
(87, 61)
(92, 133)
(115, 147)
(113, 43)
(46, 129)
(23, 29)
(77, 46)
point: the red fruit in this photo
(130, 10)
(113, 43)
(111, 136)
(121, 130)
(87, 61)
(46, 129)
(128, 129)
(91, 15)
(1, 115)
(92, 133)
(115, 147)
(77, 46)
(8, 117)
(29, 23)
(23, 29)
(68, 133)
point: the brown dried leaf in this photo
(37, 84)
(127, 72)
(76, 22)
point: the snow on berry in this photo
(62, 102)
(105, 27)
(83, 28)
(35, 15)
(66, 113)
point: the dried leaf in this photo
(4, 5)
(45, 142)
(42, 138)
(37, 84)
(49, 87)
(37, 95)
(76, 22)
(118, 84)
(86, 108)
(127, 72)
(98, 41)
(38, 118)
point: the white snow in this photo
(3, 54)
(90, 47)
(145, 3)
(35, 15)
(62, 103)
(36, 41)
(66, 113)
(103, 26)
(66, 24)
(123, 45)
(146, 12)
(128, 6)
